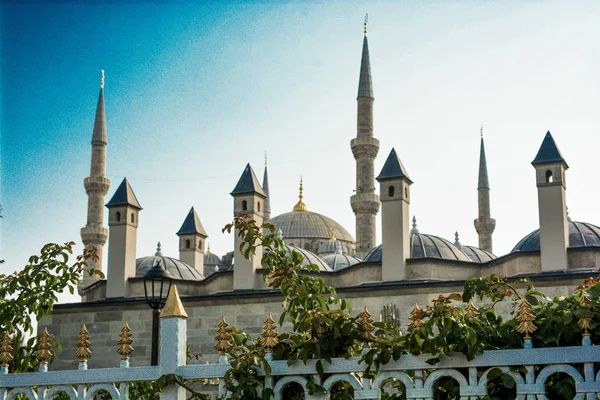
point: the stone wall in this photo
(246, 311)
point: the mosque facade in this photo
(408, 266)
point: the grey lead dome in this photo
(581, 234)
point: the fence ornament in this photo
(173, 306)
(269, 335)
(223, 338)
(45, 343)
(416, 317)
(472, 312)
(365, 321)
(83, 345)
(125, 342)
(6, 350)
(526, 317)
(584, 320)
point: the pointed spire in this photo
(173, 306)
(548, 152)
(414, 226)
(393, 168)
(99, 135)
(365, 85)
(300, 206)
(248, 183)
(124, 196)
(483, 183)
(192, 225)
(265, 187)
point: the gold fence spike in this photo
(269, 335)
(416, 317)
(526, 317)
(83, 345)
(223, 338)
(44, 349)
(125, 341)
(584, 320)
(6, 350)
(472, 312)
(365, 321)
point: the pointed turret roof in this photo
(265, 187)
(248, 183)
(192, 225)
(548, 152)
(99, 135)
(483, 183)
(393, 168)
(124, 196)
(365, 85)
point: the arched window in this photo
(391, 191)
(244, 205)
(118, 216)
(549, 177)
(132, 218)
(405, 192)
(187, 244)
(258, 204)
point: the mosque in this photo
(407, 267)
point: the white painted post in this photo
(173, 342)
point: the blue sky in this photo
(195, 91)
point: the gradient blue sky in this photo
(195, 91)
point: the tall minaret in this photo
(265, 186)
(484, 224)
(365, 203)
(94, 234)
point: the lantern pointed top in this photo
(173, 306)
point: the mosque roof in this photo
(192, 225)
(307, 224)
(177, 268)
(211, 258)
(248, 183)
(330, 246)
(548, 152)
(124, 196)
(581, 234)
(393, 168)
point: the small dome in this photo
(338, 261)
(330, 246)
(581, 234)
(478, 255)
(178, 269)
(425, 246)
(212, 259)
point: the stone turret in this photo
(123, 212)
(191, 241)
(550, 168)
(365, 203)
(248, 198)
(94, 234)
(484, 224)
(394, 186)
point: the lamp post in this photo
(157, 284)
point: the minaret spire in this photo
(484, 224)
(265, 185)
(94, 234)
(365, 203)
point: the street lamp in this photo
(157, 284)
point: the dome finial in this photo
(102, 79)
(366, 22)
(456, 240)
(414, 225)
(333, 236)
(300, 206)
(158, 250)
(208, 249)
